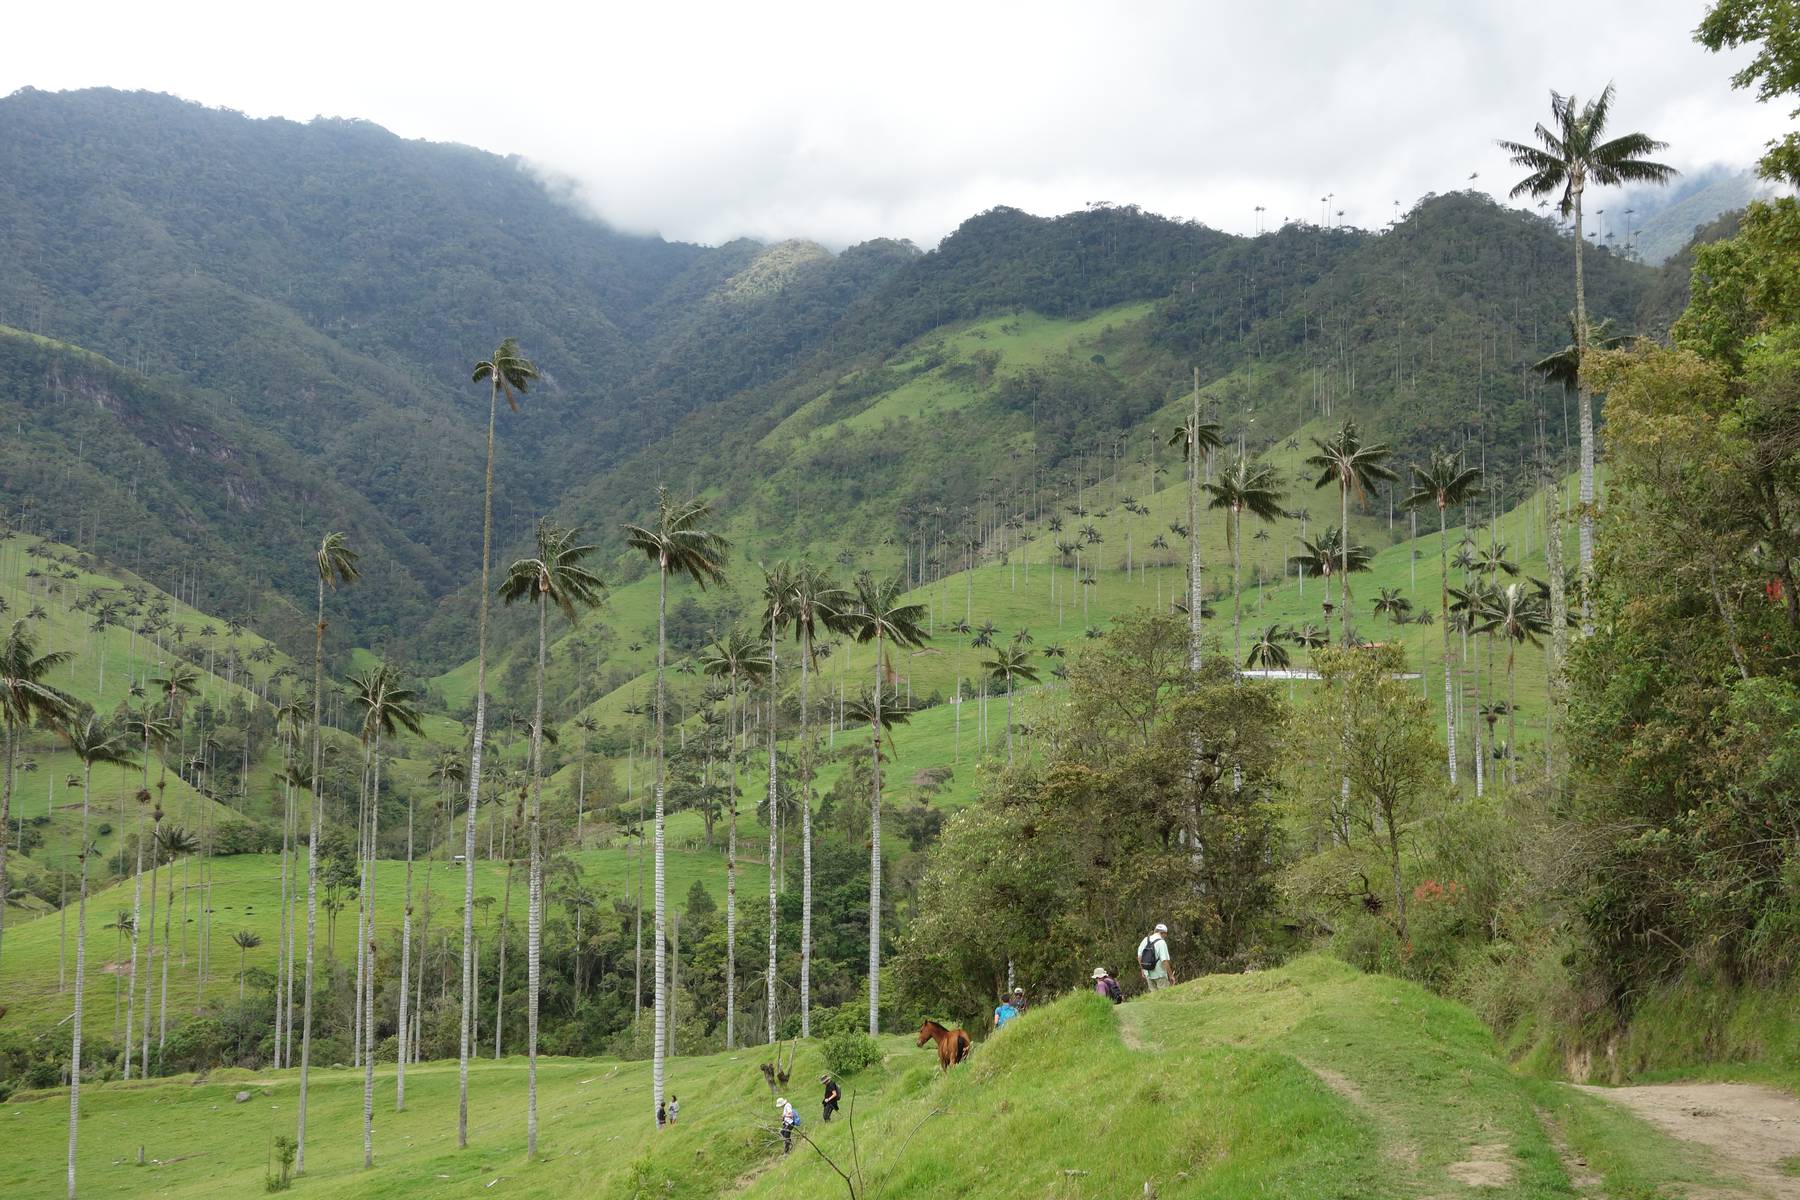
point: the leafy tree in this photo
(678, 545)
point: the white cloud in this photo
(842, 122)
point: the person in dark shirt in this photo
(832, 1095)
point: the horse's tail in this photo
(962, 1045)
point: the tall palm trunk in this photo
(806, 763)
(1444, 624)
(534, 890)
(361, 940)
(1344, 556)
(506, 855)
(1512, 717)
(87, 782)
(659, 950)
(137, 909)
(312, 875)
(1237, 587)
(6, 791)
(875, 850)
(468, 962)
(1559, 618)
(774, 825)
(1195, 605)
(368, 1021)
(404, 1045)
(150, 954)
(735, 731)
(1585, 407)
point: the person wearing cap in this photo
(832, 1095)
(1018, 1000)
(1107, 986)
(789, 1119)
(1153, 959)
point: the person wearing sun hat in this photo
(789, 1119)
(1153, 959)
(1106, 985)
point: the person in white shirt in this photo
(789, 1119)
(1153, 959)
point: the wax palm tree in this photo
(147, 727)
(334, 563)
(25, 696)
(678, 545)
(246, 940)
(882, 617)
(1326, 556)
(556, 576)
(1354, 466)
(778, 593)
(1197, 438)
(1244, 486)
(174, 842)
(387, 707)
(1267, 650)
(1444, 482)
(1009, 665)
(1310, 636)
(815, 602)
(737, 658)
(880, 713)
(1392, 605)
(508, 373)
(1572, 152)
(1470, 608)
(93, 741)
(1516, 613)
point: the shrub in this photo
(847, 1053)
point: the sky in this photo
(840, 122)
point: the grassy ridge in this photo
(1308, 1081)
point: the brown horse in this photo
(952, 1044)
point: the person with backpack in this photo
(790, 1120)
(1004, 1012)
(662, 1114)
(1107, 986)
(1153, 959)
(832, 1095)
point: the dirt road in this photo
(1752, 1132)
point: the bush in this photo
(847, 1053)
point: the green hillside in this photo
(1311, 1080)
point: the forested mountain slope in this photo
(326, 286)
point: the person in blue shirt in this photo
(1005, 1012)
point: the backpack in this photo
(1113, 993)
(1147, 954)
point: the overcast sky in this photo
(842, 121)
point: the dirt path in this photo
(1749, 1129)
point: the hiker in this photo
(1004, 1012)
(674, 1109)
(832, 1095)
(1018, 1000)
(1153, 959)
(662, 1114)
(1107, 986)
(789, 1120)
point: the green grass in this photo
(1308, 1081)
(247, 895)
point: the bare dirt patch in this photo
(1485, 1167)
(1749, 1129)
